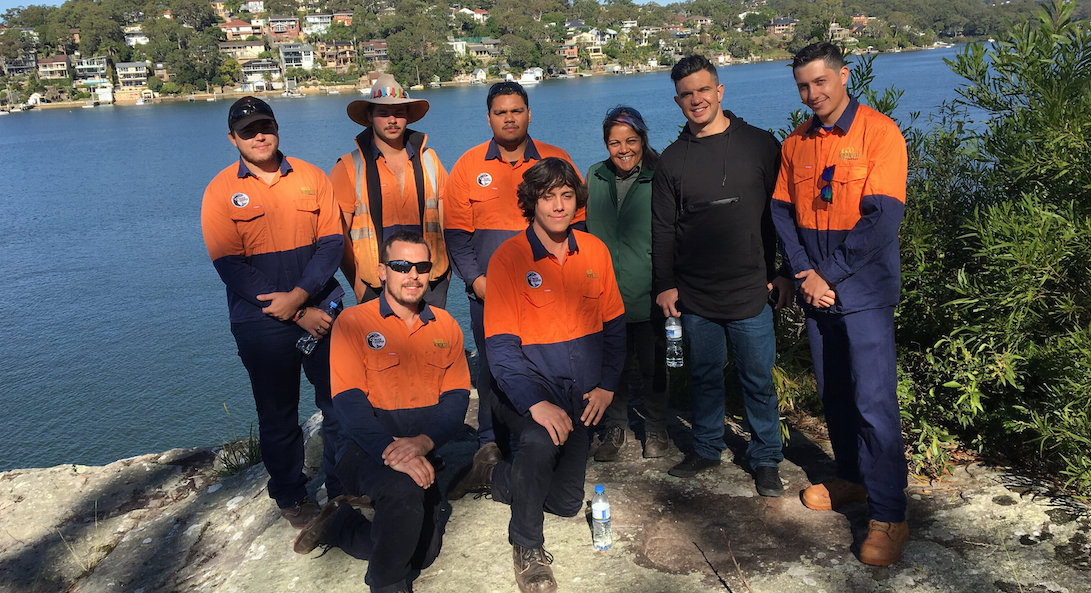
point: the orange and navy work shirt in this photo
(481, 208)
(389, 381)
(852, 240)
(554, 330)
(265, 238)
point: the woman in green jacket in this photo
(619, 212)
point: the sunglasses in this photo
(247, 109)
(826, 193)
(263, 127)
(505, 86)
(402, 266)
(616, 111)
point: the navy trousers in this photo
(542, 477)
(855, 365)
(488, 429)
(406, 534)
(267, 349)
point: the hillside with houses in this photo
(130, 50)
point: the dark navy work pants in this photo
(542, 477)
(855, 364)
(488, 430)
(406, 533)
(268, 351)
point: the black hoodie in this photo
(712, 232)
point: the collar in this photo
(539, 251)
(285, 168)
(843, 122)
(410, 152)
(531, 151)
(385, 311)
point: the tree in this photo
(170, 88)
(155, 84)
(193, 13)
(11, 45)
(520, 53)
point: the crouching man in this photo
(555, 333)
(401, 385)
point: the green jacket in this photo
(627, 234)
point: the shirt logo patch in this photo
(534, 279)
(592, 274)
(484, 180)
(240, 200)
(439, 343)
(376, 341)
(849, 154)
(307, 191)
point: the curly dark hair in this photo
(545, 175)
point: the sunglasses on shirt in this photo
(826, 193)
(402, 266)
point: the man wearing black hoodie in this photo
(713, 253)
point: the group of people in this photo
(569, 281)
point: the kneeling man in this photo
(555, 333)
(401, 385)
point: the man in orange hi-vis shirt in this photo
(837, 207)
(401, 388)
(274, 234)
(555, 331)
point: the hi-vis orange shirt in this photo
(389, 381)
(273, 237)
(554, 330)
(481, 209)
(852, 239)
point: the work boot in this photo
(883, 545)
(613, 443)
(532, 571)
(301, 513)
(479, 476)
(833, 494)
(317, 531)
(767, 480)
(691, 465)
(656, 444)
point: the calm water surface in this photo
(117, 339)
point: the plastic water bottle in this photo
(674, 342)
(602, 535)
(307, 342)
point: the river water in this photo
(117, 334)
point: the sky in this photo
(6, 4)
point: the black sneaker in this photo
(532, 571)
(691, 465)
(613, 443)
(767, 480)
(478, 476)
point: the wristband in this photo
(299, 314)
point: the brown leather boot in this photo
(883, 545)
(532, 571)
(478, 476)
(833, 494)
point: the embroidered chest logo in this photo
(534, 279)
(849, 154)
(307, 191)
(376, 341)
(592, 274)
(240, 200)
(440, 343)
(484, 180)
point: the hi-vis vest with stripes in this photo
(365, 247)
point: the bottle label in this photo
(600, 512)
(674, 333)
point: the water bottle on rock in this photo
(307, 342)
(602, 536)
(674, 342)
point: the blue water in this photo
(116, 339)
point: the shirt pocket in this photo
(306, 220)
(384, 386)
(803, 185)
(590, 308)
(435, 368)
(251, 225)
(848, 187)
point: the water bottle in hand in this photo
(674, 342)
(307, 342)
(602, 536)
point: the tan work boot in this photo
(833, 494)
(532, 571)
(883, 545)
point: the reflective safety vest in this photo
(365, 234)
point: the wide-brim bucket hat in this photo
(386, 91)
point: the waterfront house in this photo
(316, 24)
(253, 6)
(25, 64)
(242, 50)
(296, 55)
(283, 28)
(53, 68)
(219, 8)
(570, 52)
(344, 17)
(485, 49)
(132, 75)
(457, 45)
(255, 71)
(135, 36)
(782, 25)
(91, 71)
(335, 54)
(159, 70)
(374, 51)
(479, 76)
(238, 30)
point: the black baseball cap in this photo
(246, 111)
